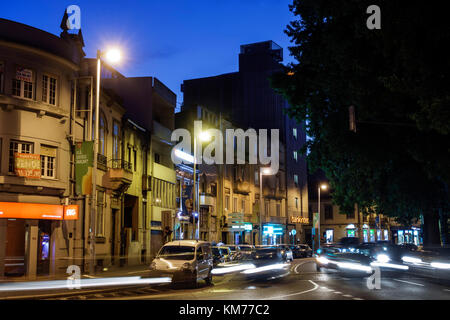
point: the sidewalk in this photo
(113, 271)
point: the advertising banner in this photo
(27, 165)
(84, 160)
(315, 220)
(24, 74)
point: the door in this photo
(15, 247)
(202, 262)
(113, 235)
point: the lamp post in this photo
(112, 56)
(323, 187)
(262, 171)
(203, 136)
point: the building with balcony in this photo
(37, 74)
(246, 98)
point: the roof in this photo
(16, 32)
(185, 243)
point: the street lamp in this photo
(262, 171)
(324, 187)
(203, 136)
(112, 56)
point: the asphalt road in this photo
(302, 283)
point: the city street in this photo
(303, 283)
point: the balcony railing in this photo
(121, 164)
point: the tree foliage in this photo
(398, 80)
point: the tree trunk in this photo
(431, 232)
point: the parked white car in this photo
(184, 261)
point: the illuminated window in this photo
(295, 156)
(116, 140)
(296, 203)
(296, 179)
(101, 136)
(294, 132)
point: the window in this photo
(266, 208)
(256, 177)
(213, 189)
(328, 212)
(296, 179)
(227, 202)
(243, 206)
(310, 214)
(19, 147)
(294, 132)
(100, 223)
(296, 203)
(22, 85)
(135, 160)
(278, 210)
(101, 136)
(235, 204)
(157, 158)
(144, 214)
(351, 215)
(49, 89)
(1, 76)
(48, 162)
(295, 156)
(116, 140)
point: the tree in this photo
(397, 79)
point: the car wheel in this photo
(209, 278)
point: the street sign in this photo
(294, 232)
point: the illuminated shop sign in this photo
(17, 210)
(272, 230)
(297, 219)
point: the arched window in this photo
(101, 135)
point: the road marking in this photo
(409, 282)
(142, 271)
(348, 296)
(337, 292)
(447, 290)
(297, 293)
(357, 299)
(300, 264)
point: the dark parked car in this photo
(301, 251)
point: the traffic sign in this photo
(294, 232)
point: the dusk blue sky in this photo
(171, 40)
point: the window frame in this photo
(100, 214)
(11, 156)
(22, 86)
(48, 90)
(44, 165)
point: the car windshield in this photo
(232, 248)
(177, 252)
(223, 251)
(245, 248)
(303, 246)
(215, 251)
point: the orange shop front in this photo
(26, 236)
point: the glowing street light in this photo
(324, 187)
(112, 56)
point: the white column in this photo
(31, 254)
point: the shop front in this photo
(407, 236)
(29, 247)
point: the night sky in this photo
(172, 40)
